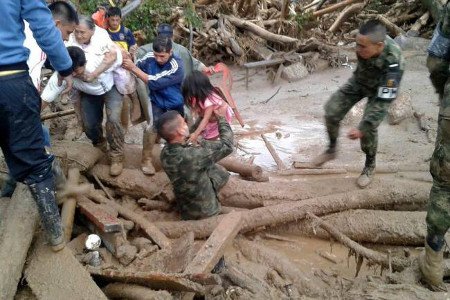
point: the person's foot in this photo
(368, 173)
(431, 268)
(116, 168)
(103, 146)
(326, 156)
(59, 246)
(147, 167)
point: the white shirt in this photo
(95, 52)
(36, 59)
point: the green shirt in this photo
(195, 177)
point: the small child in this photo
(203, 99)
(120, 34)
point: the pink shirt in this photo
(211, 130)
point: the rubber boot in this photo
(116, 167)
(328, 155)
(148, 142)
(431, 267)
(8, 188)
(367, 173)
(44, 195)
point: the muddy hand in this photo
(355, 134)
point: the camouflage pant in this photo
(438, 212)
(342, 101)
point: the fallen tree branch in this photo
(345, 14)
(58, 114)
(398, 264)
(333, 8)
(259, 31)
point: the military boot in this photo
(328, 155)
(116, 167)
(44, 194)
(148, 142)
(368, 172)
(430, 264)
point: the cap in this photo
(165, 29)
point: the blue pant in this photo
(158, 112)
(21, 136)
(92, 112)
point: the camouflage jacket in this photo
(381, 75)
(195, 177)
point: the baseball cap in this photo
(165, 29)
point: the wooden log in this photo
(155, 280)
(243, 169)
(213, 249)
(149, 228)
(263, 255)
(402, 228)
(133, 182)
(261, 32)
(398, 193)
(181, 254)
(311, 172)
(393, 29)
(154, 204)
(422, 21)
(69, 205)
(18, 227)
(333, 8)
(102, 219)
(273, 152)
(398, 264)
(345, 14)
(58, 114)
(134, 292)
(58, 275)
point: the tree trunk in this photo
(134, 292)
(400, 192)
(402, 228)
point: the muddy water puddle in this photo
(287, 141)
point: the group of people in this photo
(99, 65)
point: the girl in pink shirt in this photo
(203, 99)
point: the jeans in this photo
(21, 136)
(92, 113)
(158, 112)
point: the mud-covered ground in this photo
(292, 120)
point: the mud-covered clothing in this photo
(195, 177)
(377, 79)
(189, 63)
(438, 212)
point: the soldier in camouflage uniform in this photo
(377, 77)
(192, 170)
(438, 214)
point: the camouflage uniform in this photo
(377, 79)
(195, 177)
(438, 215)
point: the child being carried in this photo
(203, 99)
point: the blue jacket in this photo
(164, 82)
(13, 55)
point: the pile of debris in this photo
(296, 31)
(142, 250)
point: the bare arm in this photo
(205, 120)
(130, 66)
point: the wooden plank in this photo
(18, 227)
(155, 280)
(70, 203)
(181, 255)
(273, 152)
(99, 217)
(212, 250)
(59, 275)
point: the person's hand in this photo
(69, 83)
(128, 64)
(221, 111)
(110, 56)
(355, 134)
(89, 77)
(193, 138)
(208, 70)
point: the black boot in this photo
(44, 194)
